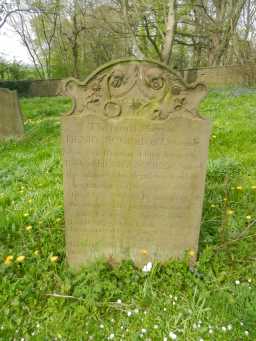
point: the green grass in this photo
(171, 298)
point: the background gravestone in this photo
(135, 155)
(11, 120)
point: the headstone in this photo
(135, 155)
(11, 121)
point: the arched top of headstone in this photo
(133, 88)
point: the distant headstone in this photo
(11, 120)
(135, 155)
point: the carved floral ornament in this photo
(137, 89)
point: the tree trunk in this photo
(169, 34)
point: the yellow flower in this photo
(253, 187)
(54, 259)
(8, 260)
(230, 212)
(20, 259)
(36, 252)
(191, 253)
(212, 205)
(144, 252)
(30, 201)
(29, 227)
(214, 136)
(25, 214)
(239, 188)
(248, 217)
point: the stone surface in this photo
(11, 121)
(135, 156)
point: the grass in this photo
(42, 299)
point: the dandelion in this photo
(237, 282)
(248, 217)
(29, 228)
(8, 260)
(20, 259)
(191, 253)
(144, 252)
(54, 259)
(147, 267)
(129, 313)
(230, 212)
(172, 336)
(239, 188)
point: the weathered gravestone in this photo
(11, 121)
(135, 154)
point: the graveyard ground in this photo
(41, 299)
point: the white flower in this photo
(112, 320)
(249, 280)
(241, 323)
(155, 326)
(201, 339)
(136, 311)
(224, 329)
(147, 267)
(101, 326)
(119, 301)
(173, 336)
(165, 338)
(229, 327)
(143, 331)
(237, 282)
(210, 331)
(129, 313)
(194, 326)
(111, 336)
(246, 333)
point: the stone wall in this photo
(34, 88)
(234, 75)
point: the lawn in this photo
(42, 299)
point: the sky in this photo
(11, 47)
